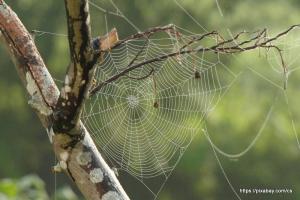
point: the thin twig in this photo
(143, 77)
(197, 39)
(135, 58)
(147, 33)
(259, 40)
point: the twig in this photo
(138, 54)
(218, 48)
(143, 77)
(147, 33)
(195, 39)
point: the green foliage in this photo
(31, 187)
(26, 188)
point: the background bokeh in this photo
(26, 156)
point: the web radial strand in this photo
(143, 126)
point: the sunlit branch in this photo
(75, 150)
(228, 46)
(197, 39)
(146, 34)
(143, 77)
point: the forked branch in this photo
(80, 71)
(76, 152)
(223, 46)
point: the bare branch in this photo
(26, 57)
(138, 54)
(197, 39)
(148, 33)
(104, 10)
(80, 71)
(79, 31)
(228, 46)
(143, 77)
(77, 154)
(100, 43)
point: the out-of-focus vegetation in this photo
(274, 160)
(31, 187)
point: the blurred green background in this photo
(273, 162)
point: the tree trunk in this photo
(59, 112)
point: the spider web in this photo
(143, 127)
(280, 98)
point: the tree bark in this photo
(60, 112)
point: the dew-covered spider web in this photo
(144, 122)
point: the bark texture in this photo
(60, 112)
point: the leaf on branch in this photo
(107, 42)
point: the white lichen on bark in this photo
(36, 100)
(84, 158)
(50, 133)
(111, 195)
(68, 89)
(64, 156)
(115, 170)
(4, 10)
(96, 175)
(60, 166)
(85, 141)
(57, 168)
(63, 164)
(67, 80)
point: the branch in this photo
(81, 70)
(143, 77)
(99, 44)
(228, 46)
(77, 156)
(197, 39)
(146, 34)
(30, 65)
